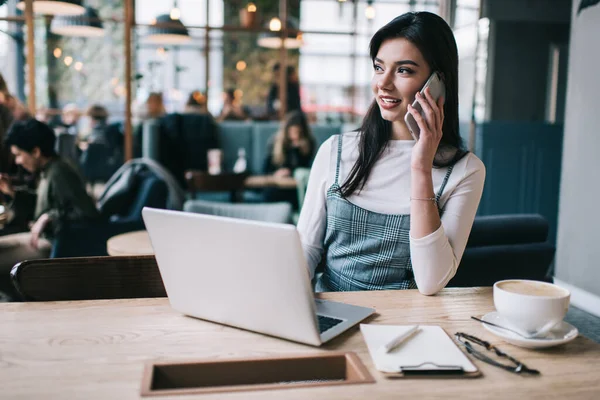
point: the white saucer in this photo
(560, 334)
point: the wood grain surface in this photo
(97, 350)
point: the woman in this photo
(386, 211)
(292, 147)
(196, 104)
(232, 110)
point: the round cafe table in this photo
(130, 244)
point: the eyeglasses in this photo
(516, 367)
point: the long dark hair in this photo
(282, 142)
(434, 39)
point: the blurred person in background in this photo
(154, 108)
(6, 119)
(18, 111)
(292, 93)
(19, 213)
(61, 195)
(196, 103)
(232, 110)
(98, 116)
(69, 120)
(293, 146)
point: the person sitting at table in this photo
(196, 104)
(154, 108)
(293, 146)
(61, 195)
(98, 116)
(20, 213)
(69, 120)
(232, 110)
(387, 211)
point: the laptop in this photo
(246, 274)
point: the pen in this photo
(399, 339)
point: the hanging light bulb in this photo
(175, 13)
(68, 61)
(251, 7)
(272, 40)
(57, 52)
(275, 24)
(370, 11)
(78, 66)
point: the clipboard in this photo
(430, 353)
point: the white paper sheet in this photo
(429, 348)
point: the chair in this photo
(511, 246)
(200, 181)
(89, 239)
(184, 140)
(235, 135)
(89, 278)
(268, 212)
(98, 163)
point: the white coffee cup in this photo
(531, 307)
(215, 161)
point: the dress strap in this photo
(439, 194)
(339, 158)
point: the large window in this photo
(333, 63)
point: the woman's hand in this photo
(431, 130)
(282, 172)
(6, 185)
(38, 228)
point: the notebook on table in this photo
(428, 353)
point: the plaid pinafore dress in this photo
(365, 250)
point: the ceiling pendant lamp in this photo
(87, 24)
(272, 39)
(168, 29)
(55, 7)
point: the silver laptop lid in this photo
(242, 273)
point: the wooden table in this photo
(97, 350)
(265, 181)
(130, 244)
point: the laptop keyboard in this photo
(326, 323)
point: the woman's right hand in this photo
(6, 185)
(282, 172)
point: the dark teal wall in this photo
(523, 164)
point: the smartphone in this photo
(437, 89)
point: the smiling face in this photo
(400, 71)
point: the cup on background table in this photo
(215, 161)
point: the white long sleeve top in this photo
(435, 257)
